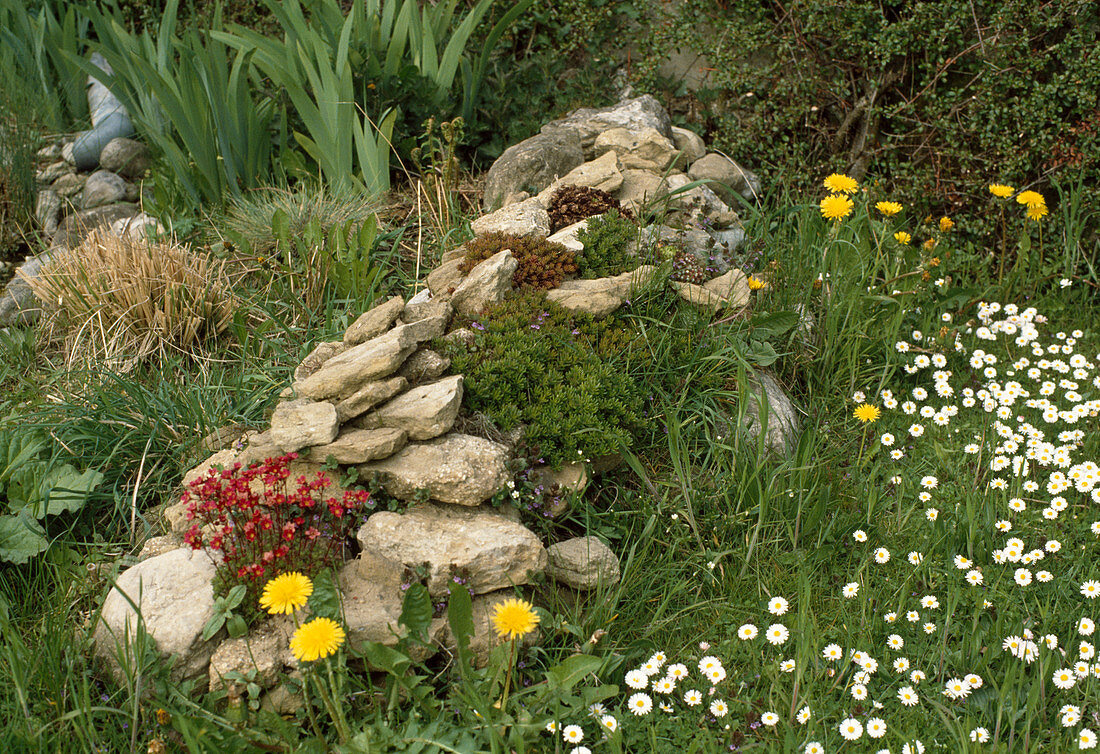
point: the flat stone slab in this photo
(360, 446)
(583, 563)
(423, 412)
(485, 549)
(343, 374)
(374, 322)
(369, 396)
(302, 423)
(456, 468)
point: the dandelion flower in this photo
(286, 593)
(514, 618)
(755, 284)
(316, 639)
(867, 413)
(903, 238)
(836, 207)
(1037, 214)
(1031, 199)
(946, 224)
(888, 208)
(839, 183)
(1000, 191)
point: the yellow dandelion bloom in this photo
(836, 207)
(316, 639)
(1000, 190)
(1032, 199)
(514, 618)
(1037, 212)
(865, 412)
(839, 183)
(903, 238)
(755, 285)
(286, 593)
(946, 224)
(888, 208)
(929, 244)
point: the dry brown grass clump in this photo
(117, 301)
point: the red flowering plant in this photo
(262, 523)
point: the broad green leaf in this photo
(386, 658)
(66, 490)
(21, 538)
(772, 324)
(461, 617)
(566, 675)
(325, 600)
(416, 610)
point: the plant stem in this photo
(508, 675)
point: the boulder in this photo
(690, 144)
(526, 218)
(370, 587)
(727, 177)
(640, 188)
(303, 423)
(127, 157)
(316, 358)
(478, 545)
(486, 284)
(174, 600)
(261, 655)
(75, 227)
(155, 546)
(360, 446)
(428, 328)
(423, 412)
(733, 286)
(424, 365)
(767, 398)
(700, 202)
(374, 322)
(18, 304)
(342, 375)
(442, 280)
(428, 308)
(632, 114)
(102, 187)
(568, 236)
(138, 227)
(368, 396)
(47, 211)
(644, 149)
(601, 296)
(69, 184)
(52, 172)
(604, 173)
(583, 563)
(455, 468)
(532, 164)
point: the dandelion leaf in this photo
(21, 538)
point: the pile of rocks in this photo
(382, 403)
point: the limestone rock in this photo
(478, 544)
(69, 184)
(424, 412)
(52, 172)
(456, 468)
(345, 373)
(47, 211)
(303, 423)
(644, 149)
(374, 322)
(174, 595)
(567, 236)
(430, 308)
(571, 476)
(265, 649)
(728, 239)
(360, 446)
(583, 563)
(632, 114)
(75, 227)
(155, 546)
(699, 296)
(462, 336)
(317, 358)
(424, 365)
(102, 187)
(732, 286)
(18, 304)
(604, 173)
(127, 157)
(700, 202)
(442, 280)
(486, 284)
(601, 296)
(689, 143)
(138, 227)
(370, 587)
(782, 419)
(427, 328)
(458, 252)
(369, 396)
(641, 187)
(726, 176)
(531, 164)
(526, 218)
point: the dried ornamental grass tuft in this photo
(121, 300)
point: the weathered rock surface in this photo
(303, 423)
(369, 396)
(424, 365)
(374, 321)
(371, 589)
(603, 173)
(457, 468)
(583, 563)
(486, 284)
(174, 595)
(728, 178)
(601, 296)
(423, 412)
(645, 149)
(102, 187)
(733, 286)
(360, 446)
(343, 374)
(442, 280)
(18, 304)
(75, 227)
(261, 655)
(69, 184)
(700, 203)
(632, 114)
(526, 218)
(769, 400)
(316, 358)
(126, 157)
(533, 163)
(52, 172)
(427, 308)
(482, 547)
(689, 144)
(138, 227)
(641, 187)
(567, 236)
(47, 211)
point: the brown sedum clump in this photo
(570, 204)
(117, 301)
(542, 265)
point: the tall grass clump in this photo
(118, 300)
